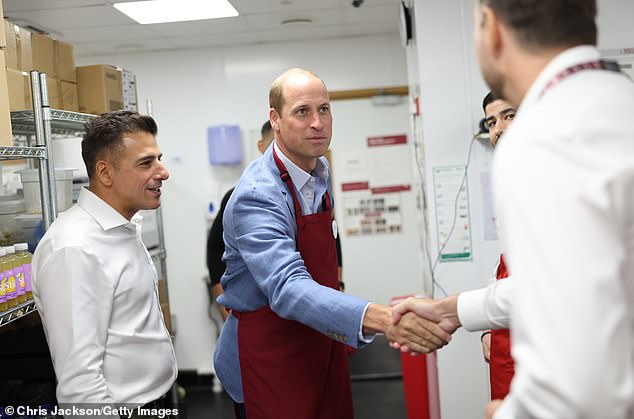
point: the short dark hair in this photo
(540, 24)
(104, 135)
(489, 98)
(266, 128)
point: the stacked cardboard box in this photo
(28, 51)
(100, 89)
(6, 138)
(55, 58)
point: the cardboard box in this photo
(6, 138)
(3, 39)
(54, 92)
(19, 90)
(162, 290)
(28, 51)
(18, 52)
(99, 89)
(44, 59)
(70, 100)
(61, 94)
(65, 62)
(165, 308)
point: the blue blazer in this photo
(265, 268)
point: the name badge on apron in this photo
(335, 230)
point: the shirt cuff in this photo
(471, 310)
(362, 337)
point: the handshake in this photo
(421, 325)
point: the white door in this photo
(378, 263)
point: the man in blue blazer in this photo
(281, 353)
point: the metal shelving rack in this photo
(42, 122)
(15, 313)
(62, 122)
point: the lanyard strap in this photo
(592, 65)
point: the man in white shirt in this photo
(564, 190)
(94, 282)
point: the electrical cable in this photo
(435, 283)
(423, 204)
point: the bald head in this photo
(276, 93)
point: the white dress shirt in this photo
(311, 187)
(95, 287)
(564, 189)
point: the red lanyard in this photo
(592, 65)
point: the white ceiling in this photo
(96, 28)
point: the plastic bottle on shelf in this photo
(18, 273)
(3, 285)
(9, 279)
(22, 252)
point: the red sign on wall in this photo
(387, 140)
(355, 186)
(388, 189)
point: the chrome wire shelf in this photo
(15, 313)
(157, 252)
(62, 122)
(12, 153)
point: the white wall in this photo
(615, 24)
(193, 89)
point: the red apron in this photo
(288, 370)
(501, 364)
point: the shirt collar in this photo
(107, 217)
(297, 174)
(568, 58)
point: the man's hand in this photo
(486, 346)
(417, 335)
(443, 312)
(217, 291)
(489, 411)
(377, 319)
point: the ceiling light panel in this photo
(163, 11)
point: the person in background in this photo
(281, 352)
(216, 244)
(496, 344)
(498, 115)
(564, 197)
(94, 282)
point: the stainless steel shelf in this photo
(11, 153)
(157, 252)
(62, 122)
(15, 313)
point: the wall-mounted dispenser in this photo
(224, 145)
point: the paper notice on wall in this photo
(354, 168)
(452, 213)
(390, 160)
(370, 214)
